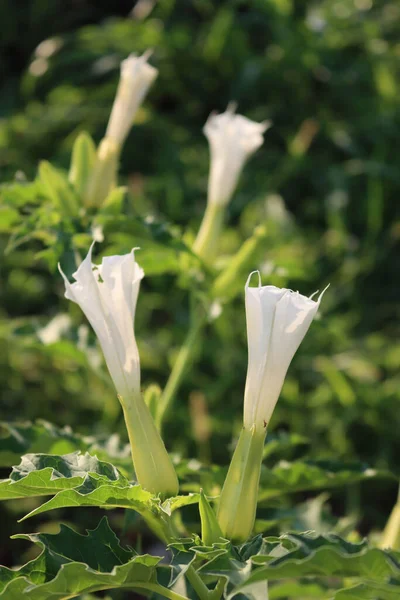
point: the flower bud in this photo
(238, 500)
(136, 78)
(210, 530)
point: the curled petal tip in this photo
(322, 293)
(266, 124)
(91, 248)
(232, 107)
(250, 276)
(147, 54)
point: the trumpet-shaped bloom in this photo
(277, 321)
(233, 139)
(136, 78)
(107, 294)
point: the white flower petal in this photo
(277, 321)
(232, 138)
(107, 295)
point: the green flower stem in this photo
(238, 500)
(160, 589)
(225, 286)
(153, 466)
(182, 361)
(198, 584)
(207, 238)
(218, 590)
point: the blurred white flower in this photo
(277, 321)
(233, 139)
(53, 331)
(136, 78)
(107, 294)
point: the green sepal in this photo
(391, 533)
(114, 202)
(153, 465)
(238, 501)
(82, 162)
(210, 530)
(104, 173)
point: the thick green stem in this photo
(160, 589)
(238, 500)
(182, 361)
(225, 285)
(153, 466)
(206, 242)
(197, 584)
(218, 590)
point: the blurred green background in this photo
(325, 183)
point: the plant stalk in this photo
(198, 584)
(182, 361)
(218, 590)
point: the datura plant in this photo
(231, 531)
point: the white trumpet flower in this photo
(277, 321)
(107, 294)
(136, 78)
(233, 139)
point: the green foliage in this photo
(57, 190)
(316, 204)
(71, 564)
(313, 475)
(82, 480)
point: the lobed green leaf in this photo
(71, 564)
